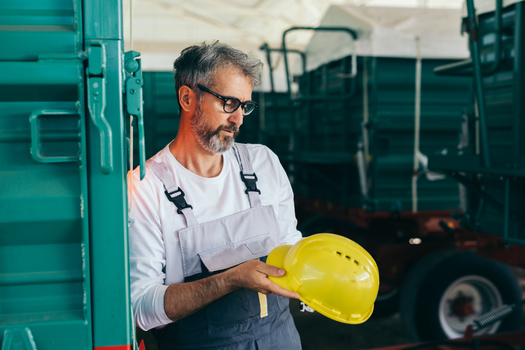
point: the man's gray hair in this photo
(197, 64)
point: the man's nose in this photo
(236, 117)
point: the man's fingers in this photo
(260, 283)
(277, 289)
(271, 270)
(274, 271)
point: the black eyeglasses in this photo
(231, 104)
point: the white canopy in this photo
(389, 32)
(160, 29)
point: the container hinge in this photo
(134, 101)
(96, 89)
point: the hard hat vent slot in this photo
(343, 255)
(339, 254)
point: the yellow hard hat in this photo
(332, 274)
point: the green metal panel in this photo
(272, 124)
(112, 325)
(329, 131)
(63, 229)
(44, 261)
(161, 110)
(392, 129)
(108, 213)
(505, 120)
(34, 28)
(505, 116)
(495, 188)
(103, 20)
(504, 89)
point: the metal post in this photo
(478, 82)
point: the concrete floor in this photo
(321, 333)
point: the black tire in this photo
(387, 303)
(446, 290)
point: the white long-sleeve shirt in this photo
(153, 234)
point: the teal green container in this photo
(63, 224)
(317, 141)
(495, 189)
(270, 123)
(505, 113)
(161, 111)
(374, 119)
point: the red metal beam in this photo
(427, 221)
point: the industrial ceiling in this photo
(160, 29)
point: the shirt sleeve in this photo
(286, 208)
(147, 255)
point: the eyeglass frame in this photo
(225, 99)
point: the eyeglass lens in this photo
(231, 105)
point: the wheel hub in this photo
(465, 299)
(462, 306)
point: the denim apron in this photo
(243, 319)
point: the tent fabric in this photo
(389, 32)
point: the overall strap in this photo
(173, 191)
(247, 174)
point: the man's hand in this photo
(254, 274)
(183, 299)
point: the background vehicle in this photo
(362, 125)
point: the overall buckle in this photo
(250, 180)
(177, 198)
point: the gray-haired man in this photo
(206, 216)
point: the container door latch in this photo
(96, 89)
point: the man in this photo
(206, 216)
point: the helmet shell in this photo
(332, 274)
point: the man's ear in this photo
(187, 98)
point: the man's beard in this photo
(209, 139)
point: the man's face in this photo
(215, 129)
(210, 137)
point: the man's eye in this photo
(231, 104)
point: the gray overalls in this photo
(243, 319)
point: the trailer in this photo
(366, 115)
(66, 89)
(489, 162)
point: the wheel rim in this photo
(465, 300)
